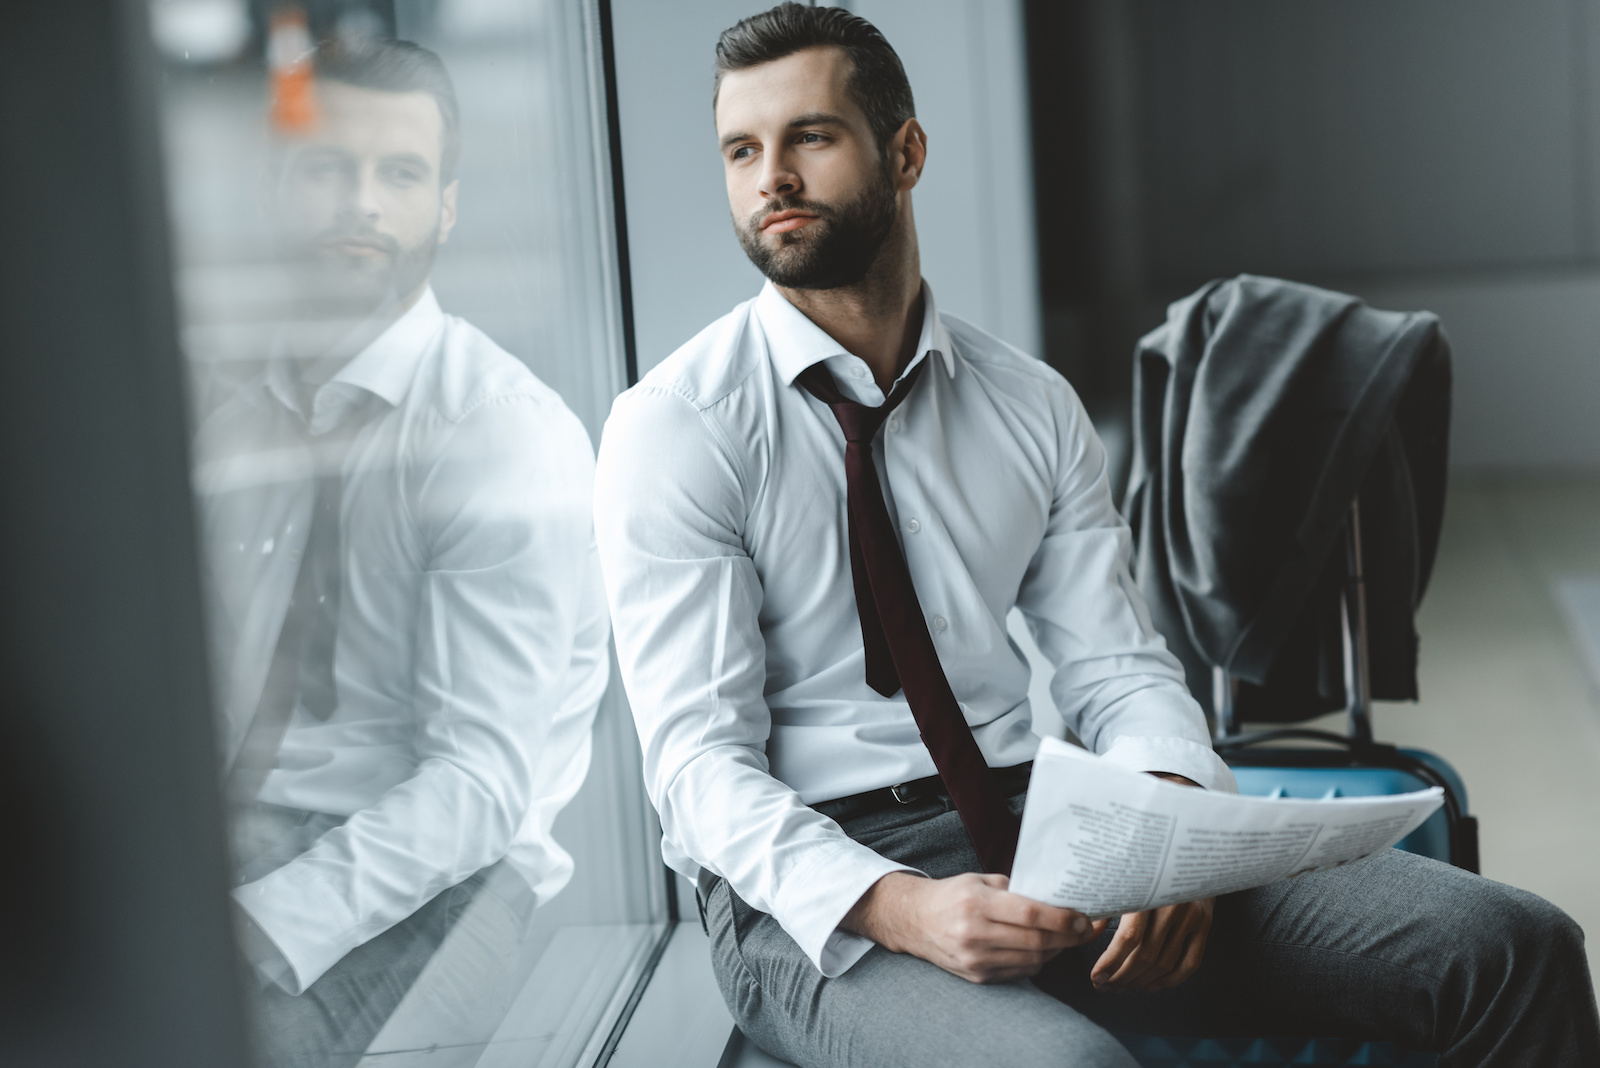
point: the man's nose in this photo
(363, 202)
(778, 178)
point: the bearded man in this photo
(813, 520)
(407, 616)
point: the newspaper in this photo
(1104, 840)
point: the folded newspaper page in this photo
(1104, 840)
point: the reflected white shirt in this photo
(471, 643)
(720, 516)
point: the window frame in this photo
(102, 630)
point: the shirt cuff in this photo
(814, 900)
(1175, 756)
(305, 920)
(271, 966)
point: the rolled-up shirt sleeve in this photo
(670, 505)
(1115, 683)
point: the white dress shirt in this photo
(471, 643)
(721, 519)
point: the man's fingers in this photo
(989, 964)
(1020, 911)
(1143, 958)
(1130, 929)
(1163, 950)
(1194, 953)
(993, 935)
(1170, 947)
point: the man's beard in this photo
(342, 286)
(836, 250)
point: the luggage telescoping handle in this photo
(1463, 828)
(1353, 628)
(1353, 623)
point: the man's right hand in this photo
(969, 925)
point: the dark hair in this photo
(877, 83)
(391, 66)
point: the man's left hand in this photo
(1155, 950)
(1158, 949)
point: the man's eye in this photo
(742, 152)
(403, 175)
(320, 169)
(811, 138)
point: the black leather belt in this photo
(1013, 780)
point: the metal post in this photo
(1225, 721)
(1353, 623)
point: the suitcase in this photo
(1351, 764)
(1281, 763)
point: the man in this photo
(408, 620)
(813, 520)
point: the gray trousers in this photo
(1397, 947)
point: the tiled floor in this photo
(1505, 693)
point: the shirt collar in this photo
(795, 342)
(383, 369)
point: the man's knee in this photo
(1502, 930)
(1540, 930)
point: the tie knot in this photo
(859, 422)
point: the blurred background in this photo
(1421, 154)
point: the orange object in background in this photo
(289, 70)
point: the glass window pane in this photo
(397, 278)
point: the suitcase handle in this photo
(1462, 827)
(1353, 631)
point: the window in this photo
(399, 298)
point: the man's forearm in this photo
(886, 910)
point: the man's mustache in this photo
(820, 210)
(356, 236)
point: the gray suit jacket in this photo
(1261, 408)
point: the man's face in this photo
(359, 207)
(813, 199)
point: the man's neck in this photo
(322, 349)
(879, 319)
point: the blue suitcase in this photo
(1353, 764)
(1279, 763)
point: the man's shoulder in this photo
(470, 370)
(711, 365)
(983, 349)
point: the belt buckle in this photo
(902, 792)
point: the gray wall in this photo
(974, 205)
(1422, 153)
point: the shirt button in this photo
(913, 526)
(894, 424)
(939, 623)
(858, 372)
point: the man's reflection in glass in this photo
(409, 627)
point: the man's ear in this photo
(447, 209)
(908, 152)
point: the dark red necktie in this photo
(900, 651)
